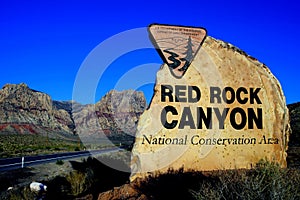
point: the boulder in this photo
(228, 111)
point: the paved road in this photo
(15, 163)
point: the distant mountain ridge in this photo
(116, 113)
(27, 111)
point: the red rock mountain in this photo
(27, 111)
(116, 113)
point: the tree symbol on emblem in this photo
(189, 55)
(176, 62)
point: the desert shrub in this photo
(89, 177)
(92, 176)
(80, 181)
(266, 181)
(59, 162)
(58, 188)
(175, 184)
(76, 149)
(24, 194)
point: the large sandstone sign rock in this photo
(227, 111)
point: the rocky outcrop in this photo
(228, 111)
(23, 110)
(126, 191)
(116, 113)
(27, 111)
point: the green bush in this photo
(77, 149)
(59, 162)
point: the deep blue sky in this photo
(43, 43)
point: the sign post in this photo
(22, 165)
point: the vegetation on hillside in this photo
(12, 145)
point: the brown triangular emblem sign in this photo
(177, 45)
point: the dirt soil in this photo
(41, 173)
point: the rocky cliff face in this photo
(26, 111)
(116, 113)
(23, 110)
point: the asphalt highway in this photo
(15, 163)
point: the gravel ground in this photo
(40, 173)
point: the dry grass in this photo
(266, 181)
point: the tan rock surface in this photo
(24, 110)
(27, 111)
(125, 191)
(116, 113)
(241, 143)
